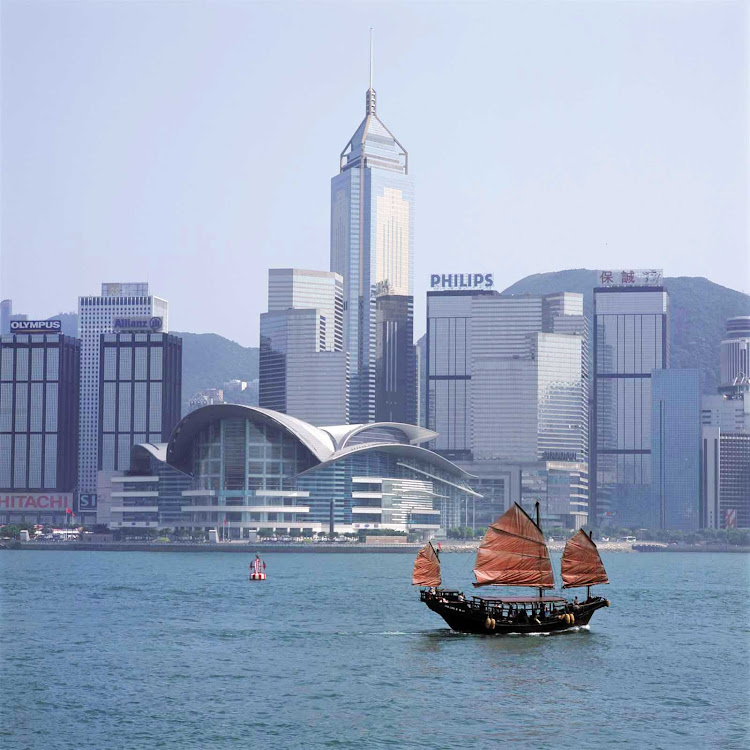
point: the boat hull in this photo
(479, 617)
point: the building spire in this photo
(370, 98)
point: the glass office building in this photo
(631, 339)
(372, 242)
(253, 468)
(735, 354)
(676, 449)
(507, 391)
(140, 387)
(97, 315)
(396, 366)
(303, 369)
(39, 382)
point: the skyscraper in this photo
(6, 311)
(507, 392)
(130, 304)
(39, 382)
(676, 447)
(303, 368)
(725, 419)
(372, 240)
(631, 339)
(396, 368)
(140, 386)
(735, 354)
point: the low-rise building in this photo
(248, 469)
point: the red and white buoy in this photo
(257, 569)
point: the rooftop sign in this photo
(35, 326)
(632, 277)
(138, 324)
(453, 281)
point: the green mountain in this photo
(699, 308)
(699, 312)
(208, 360)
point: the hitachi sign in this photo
(448, 281)
(35, 326)
(37, 501)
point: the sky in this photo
(191, 144)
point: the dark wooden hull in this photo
(472, 616)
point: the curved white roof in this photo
(326, 444)
(406, 450)
(343, 433)
(318, 442)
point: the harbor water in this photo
(178, 650)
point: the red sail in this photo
(426, 568)
(513, 553)
(581, 564)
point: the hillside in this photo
(699, 308)
(208, 360)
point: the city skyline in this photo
(130, 192)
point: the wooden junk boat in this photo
(513, 553)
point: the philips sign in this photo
(35, 326)
(138, 324)
(453, 281)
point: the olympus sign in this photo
(138, 324)
(35, 326)
(453, 281)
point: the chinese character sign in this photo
(632, 277)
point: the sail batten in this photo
(426, 567)
(513, 553)
(581, 564)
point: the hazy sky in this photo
(191, 144)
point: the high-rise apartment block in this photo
(39, 385)
(675, 450)
(121, 306)
(372, 240)
(631, 340)
(303, 368)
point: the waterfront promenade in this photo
(450, 546)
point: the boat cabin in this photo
(512, 606)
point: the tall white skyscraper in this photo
(372, 241)
(120, 305)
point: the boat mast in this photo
(588, 588)
(539, 526)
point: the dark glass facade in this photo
(734, 484)
(140, 390)
(448, 354)
(39, 381)
(631, 339)
(676, 449)
(396, 366)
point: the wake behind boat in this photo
(513, 553)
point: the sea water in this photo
(180, 650)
